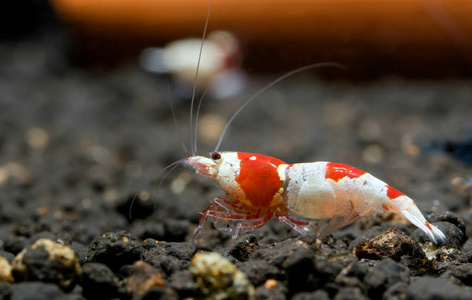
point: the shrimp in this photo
(258, 188)
(317, 197)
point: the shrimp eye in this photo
(215, 156)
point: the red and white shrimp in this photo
(259, 187)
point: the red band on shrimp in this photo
(258, 178)
(427, 225)
(393, 193)
(336, 171)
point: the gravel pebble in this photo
(455, 237)
(217, 278)
(7, 255)
(396, 291)
(161, 293)
(259, 271)
(427, 288)
(350, 293)
(452, 218)
(271, 290)
(5, 270)
(299, 267)
(182, 282)
(353, 276)
(182, 251)
(461, 272)
(144, 278)
(467, 250)
(40, 291)
(6, 289)
(318, 295)
(392, 243)
(99, 282)
(47, 261)
(15, 244)
(384, 275)
(114, 249)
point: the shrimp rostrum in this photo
(258, 188)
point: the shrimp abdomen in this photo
(322, 190)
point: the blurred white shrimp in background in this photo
(219, 70)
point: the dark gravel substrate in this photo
(76, 146)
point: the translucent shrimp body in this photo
(318, 197)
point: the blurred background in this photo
(412, 38)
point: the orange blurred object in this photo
(396, 32)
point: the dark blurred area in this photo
(422, 39)
(25, 18)
(461, 150)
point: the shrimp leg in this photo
(247, 226)
(299, 226)
(219, 210)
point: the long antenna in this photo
(296, 71)
(196, 77)
(175, 121)
(196, 123)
